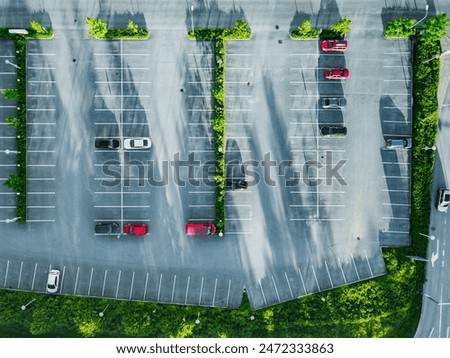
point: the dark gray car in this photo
(331, 131)
(107, 143)
(107, 228)
(334, 102)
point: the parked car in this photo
(398, 143)
(236, 184)
(200, 229)
(443, 200)
(135, 229)
(332, 131)
(107, 143)
(137, 143)
(334, 45)
(334, 102)
(107, 228)
(336, 73)
(53, 281)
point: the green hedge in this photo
(99, 30)
(240, 32)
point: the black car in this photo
(107, 143)
(107, 228)
(236, 184)
(330, 131)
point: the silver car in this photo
(399, 143)
(334, 102)
(137, 143)
(443, 200)
(53, 281)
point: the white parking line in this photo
(62, 276)
(329, 276)
(104, 282)
(200, 68)
(368, 263)
(398, 66)
(20, 274)
(289, 285)
(90, 281)
(43, 137)
(396, 232)
(123, 54)
(121, 206)
(120, 109)
(394, 218)
(41, 193)
(7, 73)
(118, 283)
(276, 289)
(342, 271)
(397, 190)
(41, 68)
(159, 287)
(317, 192)
(316, 219)
(229, 292)
(34, 276)
(319, 205)
(109, 82)
(187, 289)
(42, 165)
(41, 95)
(118, 68)
(43, 81)
(315, 277)
(131, 287)
(201, 205)
(40, 206)
(392, 204)
(201, 292)
(173, 288)
(214, 294)
(41, 54)
(145, 287)
(201, 110)
(6, 274)
(40, 221)
(262, 292)
(303, 282)
(396, 176)
(76, 281)
(354, 265)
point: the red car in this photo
(334, 45)
(336, 73)
(135, 229)
(200, 229)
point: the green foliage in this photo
(400, 28)
(99, 28)
(434, 28)
(305, 31)
(11, 94)
(341, 27)
(37, 27)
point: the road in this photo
(435, 318)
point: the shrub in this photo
(37, 27)
(99, 28)
(11, 94)
(400, 28)
(341, 27)
(434, 28)
(305, 31)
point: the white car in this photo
(443, 200)
(53, 281)
(137, 143)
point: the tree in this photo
(99, 28)
(342, 26)
(434, 28)
(10, 94)
(305, 30)
(400, 28)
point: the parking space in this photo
(200, 144)
(42, 102)
(163, 286)
(395, 115)
(239, 132)
(120, 111)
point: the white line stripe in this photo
(90, 281)
(145, 287)
(214, 294)
(276, 289)
(262, 292)
(303, 282)
(34, 277)
(187, 289)
(289, 285)
(20, 274)
(76, 281)
(201, 292)
(118, 283)
(354, 265)
(104, 282)
(368, 263)
(131, 287)
(329, 276)
(159, 288)
(342, 271)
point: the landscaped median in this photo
(18, 181)
(240, 32)
(99, 30)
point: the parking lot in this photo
(300, 227)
